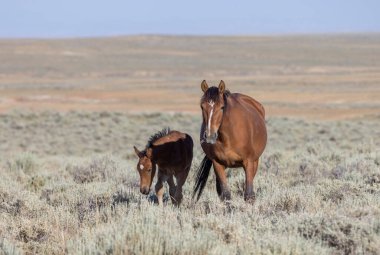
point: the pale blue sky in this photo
(73, 18)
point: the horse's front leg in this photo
(250, 168)
(180, 178)
(221, 181)
(159, 188)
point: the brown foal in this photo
(172, 153)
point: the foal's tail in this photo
(202, 176)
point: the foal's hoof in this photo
(176, 202)
(152, 199)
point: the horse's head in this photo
(146, 169)
(212, 105)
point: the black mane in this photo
(212, 94)
(157, 136)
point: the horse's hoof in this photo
(225, 196)
(250, 198)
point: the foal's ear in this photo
(138, 153)
(149, 153)
(204, 86)
(222, 87)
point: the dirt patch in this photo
(279, 103)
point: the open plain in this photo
(72, 109)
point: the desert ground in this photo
(72, 109)
(329, 77)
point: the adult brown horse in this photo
(172, 152)
(233, 134)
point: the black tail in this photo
(202, 176)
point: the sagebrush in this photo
(69, 185)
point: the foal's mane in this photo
(157, 136)
(212, 94)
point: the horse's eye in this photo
(222, 108)
(149, 170)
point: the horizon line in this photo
(290, 34)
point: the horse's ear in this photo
(204, 86)
(138, 153)
(149, 153)
(222, 87)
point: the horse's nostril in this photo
(144, 191)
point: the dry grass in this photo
(69, 185)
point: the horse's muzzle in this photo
(212, 138)
(144, 190)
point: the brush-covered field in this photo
(69, 185)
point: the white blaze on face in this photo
(141, 166)
(211, 103)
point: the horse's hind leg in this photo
(221, 181)
(172, 188)
(181, 178)
(218, 187)
(250, 169)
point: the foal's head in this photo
(146, 169)
(212, 104)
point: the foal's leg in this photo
(250, 169)
(172, 187)
(161, 178)
(221, 181)
(180, 178)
